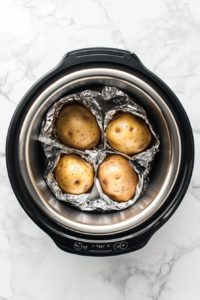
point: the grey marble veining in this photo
(34, 35)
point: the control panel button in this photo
(78, 245)
(123, 245)
(117, 246)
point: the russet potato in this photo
(128, 133)
(117, 178)
(74, 175)
(77, 128)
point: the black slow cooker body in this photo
(119, 243)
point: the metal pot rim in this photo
(24, 149)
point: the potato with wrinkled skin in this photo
(117, 178)
(77, 128)
(74, 175)
(128, 133)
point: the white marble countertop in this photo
(34, 35)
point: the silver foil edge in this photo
(48, 133)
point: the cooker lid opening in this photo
(165, 168)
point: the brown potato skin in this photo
(128, 133)
(74, 175)
(77, 128)
(117, 178)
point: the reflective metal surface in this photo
(165, 168)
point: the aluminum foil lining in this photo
(126, 104)
(48, 133)
(142, 162)
(140, 188)
(53, 155)
(102, 203)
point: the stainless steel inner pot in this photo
(164, 172)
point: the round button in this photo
(117, 246)
(78, 246)
(123, 245)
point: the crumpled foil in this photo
(53, 155)
(48, 133)
(126, 104)
(140, 188)
(142, 162)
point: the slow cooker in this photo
(96, 233)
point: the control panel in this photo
(104, 247)
(100, 247)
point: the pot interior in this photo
(165, 167)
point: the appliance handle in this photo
(109, 55)
(99, 51)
